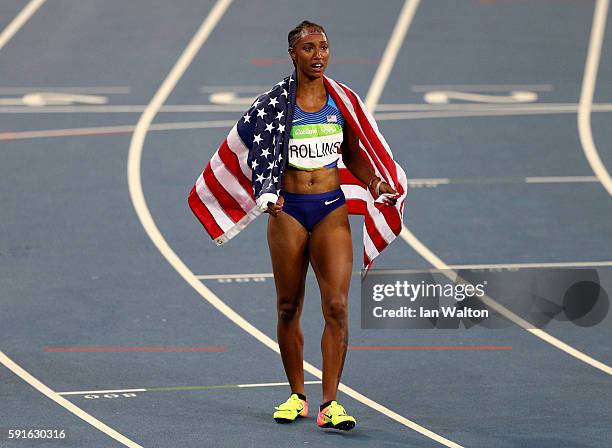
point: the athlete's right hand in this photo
(274, 209)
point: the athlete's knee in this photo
(287, 308)
(335, 309)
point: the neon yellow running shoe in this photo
(291, 409)
(334, 416)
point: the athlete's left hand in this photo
(390, 195)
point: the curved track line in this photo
(586, 95)
(19, 21)
(21, 373)
(142, 210)
(586, 100)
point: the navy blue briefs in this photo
(310, 209)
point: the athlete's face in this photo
(311, 54)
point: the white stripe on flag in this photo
(237, 146)
(368, 245)
(356, 192)
(231, 184)
(210, 202)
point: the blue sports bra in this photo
(316, 137)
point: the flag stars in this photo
(257, 138)
(282, 83)
(271, 165)
(259, 178)
(261, 112)
(246, 118)
(279, 115)
(265, 153)
(254, 164)
(273, 102)
(281, 128)
(285, 94)
(270, 127)
(274, 179)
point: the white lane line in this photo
(475, 113)
(144, 214)
(484, 87)
(275, 384)
(238, 89)
(561, 264)
(19, 20)
(409, 110)
(110, 130)
(234, 276)
(109, 90)
(87, 392)
(393, 46)
(433, 259)
(586, 95)
(25, 376)
(178, 388)
(559, 179)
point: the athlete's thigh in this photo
(331, 252)
(288, 244)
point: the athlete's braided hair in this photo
(296, 33)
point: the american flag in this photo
(245, 173)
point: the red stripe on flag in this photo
(201, 212)
(347, 178)
(231, 207)
(375, 236)
(361, 130)
(356, 206)
(384, 156)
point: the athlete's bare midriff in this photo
(311, 182)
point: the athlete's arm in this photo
(354, 161)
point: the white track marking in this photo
(144, 214)
(559, 179)
(276, 384)
(427, 254)
(102, 130)
(586, 95)
(19, 21)
(393, 46)
(238, 89)
(87, 392)
(25, 376)
(562, 264)
(125, 391)
(477, 113)
(444, 97)
(234, 276)
(426, 110)
(484, 87)
(493, 266)
(109, 90)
